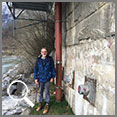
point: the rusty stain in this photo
(72, 84)
(109, 44)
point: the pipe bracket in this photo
(58, 62)
(59, 87)
(58, 20)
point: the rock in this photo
(18, 110)
(14, 112)
(26, 112)
(19, 76)
(12, 72)
(5, 83)
(4, 93)
(11, 107)
(12, 88)
(23, 104)
(10, 112)
(8, 77)
(8, 104)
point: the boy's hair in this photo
(44, 48)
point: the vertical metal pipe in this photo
(58, 51)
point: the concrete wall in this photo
(88, 47)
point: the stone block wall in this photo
(88, 48)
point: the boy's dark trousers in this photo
(44, 86)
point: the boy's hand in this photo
(51, 80)
(36, 81)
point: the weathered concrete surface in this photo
(93, 26)
(88, 40)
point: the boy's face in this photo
(43, 52)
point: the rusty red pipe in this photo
(58, 51)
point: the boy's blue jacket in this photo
(44, 69)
